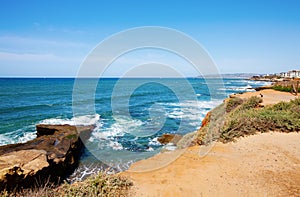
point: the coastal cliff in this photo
(250, 113)
(238, 163)
(48, 158)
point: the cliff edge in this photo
(49, 157)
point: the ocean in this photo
(127, 123)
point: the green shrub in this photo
(252, 102)
(233, 103)
(283, 116)
(246, 119)
(284, 88)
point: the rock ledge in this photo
(49, 157)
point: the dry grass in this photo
(247, 118)
(99, 185)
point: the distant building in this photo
(290, 74)
(295, 74)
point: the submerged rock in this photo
(169, 138)
(49, 157)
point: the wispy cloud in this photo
(23, 41)
(27, 50)
(54, 29)
(30, 64)
(25, 57)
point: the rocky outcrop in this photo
(52, 155)
(206, 119)
(169, 138)
(263, 87)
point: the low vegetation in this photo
(211, 131)
(100, 185)
(283, 88)
(287, 86)
(246, 117)
(233, 103)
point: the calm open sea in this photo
(154, 109)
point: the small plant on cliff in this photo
(250, 103)
(232, 103)
(99, 185)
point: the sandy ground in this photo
(269, 96)
(260, 165)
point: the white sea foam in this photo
(27, 136)
(193, 111)
(258, 83)
(115, 145)
(238, 88)
(150, 149)
(5, 139)
(119, 128)
(262, 83)
(193, 104)
(154, 142)
(170, 147)
(18, 136)
(106, 137)
(86, 170)
(28, 133)
(77, 120)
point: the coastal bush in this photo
(252, 102)
(284, 88)
(99, 185)
(246, 120)
(233, 103)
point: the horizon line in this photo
(93, 77)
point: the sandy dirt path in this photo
(259, 165)
(269, 96)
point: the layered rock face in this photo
(52, 155)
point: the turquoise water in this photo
(154, 109)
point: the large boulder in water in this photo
(49, 157)
(169, 138)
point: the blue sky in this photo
(52, 38)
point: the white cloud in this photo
(5, 56)
(23, 41)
